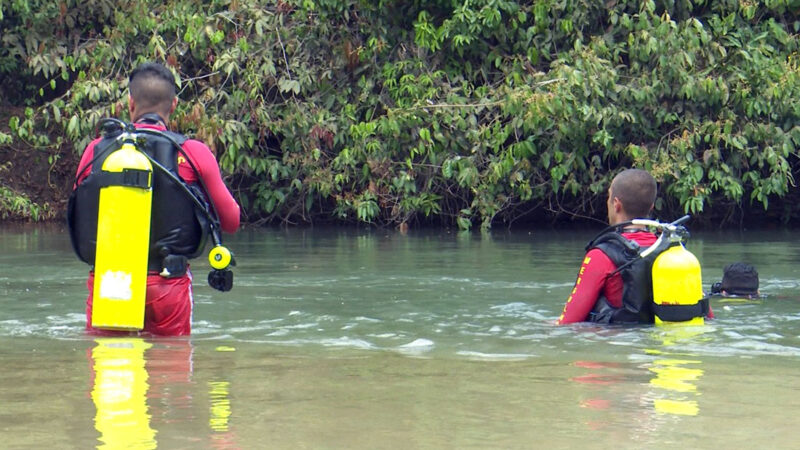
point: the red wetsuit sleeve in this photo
(84, 167)
(218, 193)
(590, 282)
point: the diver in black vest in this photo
(615, 282)
(189, 178)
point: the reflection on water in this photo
(220, 415)
(599, 396)
(139, 386)
(220, 405)
(650, 393)
(676, 373)
(220, 411)
(120, 394)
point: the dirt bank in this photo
(44, 175)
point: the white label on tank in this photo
(115, 285)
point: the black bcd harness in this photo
(638, 305)
(181, 217)
(637, 293)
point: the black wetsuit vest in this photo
(637, 293)
(177, 225)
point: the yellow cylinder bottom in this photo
(677, 280)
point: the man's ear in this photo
(131, 106)
(174, 104)
(617, 204)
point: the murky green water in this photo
(373, 339)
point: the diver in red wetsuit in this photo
(176, 231)
(614, 285)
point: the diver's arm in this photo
(591, 278)
(218, 193)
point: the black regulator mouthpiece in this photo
(221, 280)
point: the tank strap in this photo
(681, 313)
(128, 177)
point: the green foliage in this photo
(464, 112)
(16, 206)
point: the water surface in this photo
(375, 339)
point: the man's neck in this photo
(626, 227)
(151, 118)
(632, 229)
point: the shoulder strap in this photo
(99, 150)
(614, 244)
(177, 137)
(635, 270)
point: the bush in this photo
(454, 112)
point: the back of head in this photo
(152, 87)
(739, 279)
(636, 189)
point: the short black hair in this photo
(740, 278)
(637, 190)
(152, 86)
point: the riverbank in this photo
(35, 183)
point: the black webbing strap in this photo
(128, 177)
(681, 313)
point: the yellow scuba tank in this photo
(123, 241)
(677, 281)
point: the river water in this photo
(374, 339)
